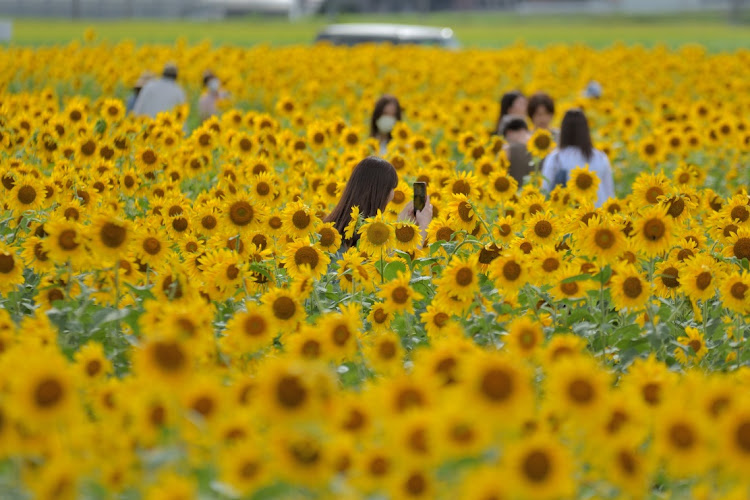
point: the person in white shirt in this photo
(386, 114)
(208, 104)
(577, 150)
(160, 94)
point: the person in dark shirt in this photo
(515, 130)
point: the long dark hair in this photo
(506, 102)
(369, 188)
(380, 105)
(574, 132)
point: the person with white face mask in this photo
(208, 104)
(386, 114)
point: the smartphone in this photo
(420, 196)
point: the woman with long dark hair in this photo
(371, 189)
(511, 103)
(386, 114)
(577, 150)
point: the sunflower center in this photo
(653, 193)
(274, 222)
(311, 349)
(405, 234)
(581, 391)
(112, 235)
(669, 277)
(409, 398)
(67, 239)
(49, 391)
(400, 295)
(88, 148)
(502, 184)
(416, 484)
(584, 181)
(26, 195)
(511, 270)
(651, 393)
(742, 248)
(151, 245)
(505, 229)
(306, 256)
(341, 334)
(7, 263)
(632, 287)
(740, 213)
(682, 436)
(738, 291)
(703, 280)
(676, 207)
(284, 308)
(148, 157)
(461, 187)
(444, 234)
(241, 213)
(204, 405)
(377, 233)
(569, 288)
(263, 188)
(542, 142)
(379, 466)
(380, 316)
(93, 367)
(497, 384)
(306, 453)
(387, 350)
(180, 224)
(742, 436)
(232, 272)
(327, 237)
(169, 356)
(696, 345)
(543, 228)
(604, 239)
(55, 294)
(465, 212)
(464, 276)
(290, 392)
(627, 462)
(537, 466)
(550, 264)
(301, 219)
(654, 229)
(440, 319)
(249, 469)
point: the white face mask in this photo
(385, 123)
(213, 84)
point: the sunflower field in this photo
(177, 321)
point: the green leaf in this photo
(579, 277)
(392, 269)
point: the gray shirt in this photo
(571, 157)
(159, 94)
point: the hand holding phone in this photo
(420, 196)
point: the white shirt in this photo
(571, 157)
(159, 94)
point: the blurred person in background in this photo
(386, 114)
(541, 111)
(139, 84)
(160, 94)
(511, 103)
(576, 150)
(515, 130)
(371, 187)
(208, 104)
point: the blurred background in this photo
(717, 24)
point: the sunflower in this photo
(376, 235)
(649, 188)
(583, 183)
(65, 242)
(460, 278)
(738, 244)
(462, 213)
(540, 468)
(164, 360)
(578, 387)
(700, 277)
(355, 272)
(542, 227)
(681, 439)
(351, 227)
(242, 213)
(734, 433)
(541, 143)
(244, 468)
(150, 246)
(301, 257)
(602, 239)
(11, 269)
(27, 194)
(398, 295)
(654, 231)
(441, 229)
(502, 187)
(284, 308)
(385, 354)
(629, 289)
(329, 239)
(408, 236)
(693, 346)
(735, 292)
(42, 391)
(299, 220)
(510, 271)
(341, 332)
(223, 270)
(667, 279)
(499, 384)
(109, 235)
(91, 363)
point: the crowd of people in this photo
(372, 183)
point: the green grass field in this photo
(472, 30)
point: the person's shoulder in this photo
(600, 156)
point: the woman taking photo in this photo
(576, 150)
(371, 189)
(386, 114)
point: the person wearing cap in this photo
(160, 94)
(142, 80)
(208, 104)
